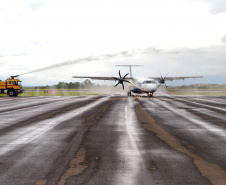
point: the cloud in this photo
(12, 55)
(223, 40)
(37, 43)
(204, 61)
(123, 54)
(36, 5)
(45, 33)
(216, 6)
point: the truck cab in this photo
(11, 86)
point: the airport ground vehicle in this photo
(11, 86)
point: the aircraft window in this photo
(149, 82)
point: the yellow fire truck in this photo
(11, 86)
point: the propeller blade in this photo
(115, 78)
(125, 75)
(161, 75)
(126, 81)
(121, 80)
(116, 84)
(166, 75)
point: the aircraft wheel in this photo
(150, 94)
(129, 93)
(11, 93)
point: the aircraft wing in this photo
(100, 78)
(175, 78)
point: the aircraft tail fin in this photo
(130, 68)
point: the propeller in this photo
(161, 80)
(121, 80)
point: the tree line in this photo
(87, 84)
(201, 86)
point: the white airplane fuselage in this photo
(139, 86)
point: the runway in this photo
(113, 140)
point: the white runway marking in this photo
(30, 133)
(214, 129)
(129, 149)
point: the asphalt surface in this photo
(113, 140)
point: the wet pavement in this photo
(113, 140)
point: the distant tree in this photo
(71, 85)
(77, 85)
(88, 84)
(62, 85)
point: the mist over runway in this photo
(113, 139)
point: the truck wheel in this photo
(11, 93)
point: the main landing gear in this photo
(129, 93)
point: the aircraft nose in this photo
(151, 87)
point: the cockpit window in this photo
(149, 82)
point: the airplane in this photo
(138, 86)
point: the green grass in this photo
(190, 90)
(33, 89)
(64, 93)
(3, 95)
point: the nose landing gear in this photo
(150, 94)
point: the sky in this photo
(90, 37)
